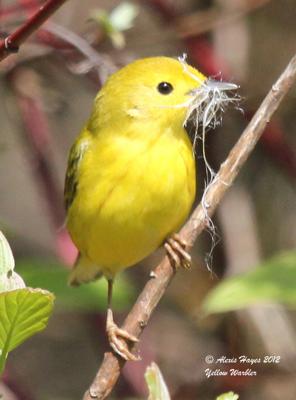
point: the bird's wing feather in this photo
(84, 271)
(76, 154)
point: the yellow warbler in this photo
(130, 182)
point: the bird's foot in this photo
(175, 248)
(118, 341)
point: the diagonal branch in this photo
(138, 317)
(12, 42)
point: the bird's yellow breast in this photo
(133, 192)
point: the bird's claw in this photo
(175, 248)
(117, 339)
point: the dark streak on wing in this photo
(71, 180)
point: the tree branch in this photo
(154, 289)
(12, 42)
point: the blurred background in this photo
(47, 92)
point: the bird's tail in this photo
(83, 271)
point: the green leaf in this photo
(273, 281)
(117, 39)
(156, 384)
(102, 18)
(228, 396)
(123, 16)
(120, 19)
(24, 312)
(87, 297)
(6, 256)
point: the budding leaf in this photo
(156, 384)
(228, 396)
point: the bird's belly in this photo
(148, 201)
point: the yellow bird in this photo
(130, 182)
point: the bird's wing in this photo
(84, 271)
(76, 154)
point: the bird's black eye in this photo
(165, 88)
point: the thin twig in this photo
(154, 289)
(12, 42)
(101, 62)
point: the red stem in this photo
(19, 389)
(13, 41)
(166, 10)
(15, 8)
(37, 137)
(278, 149)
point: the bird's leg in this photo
(175, 248)
(117, 337)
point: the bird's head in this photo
(163, 90)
